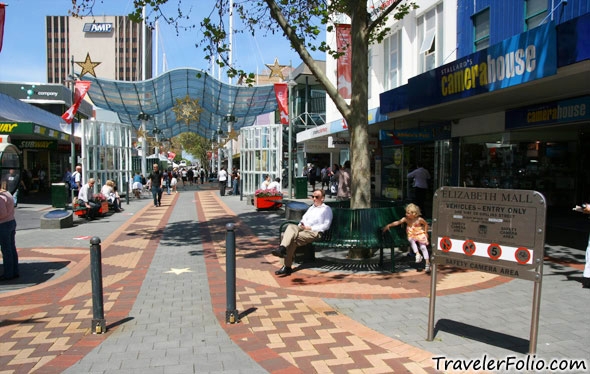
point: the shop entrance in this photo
(398, 161)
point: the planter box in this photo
(268, 202)
(104, 208)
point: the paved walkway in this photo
(165, 301)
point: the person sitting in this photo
(276, 184)
(316, 220)
(137, 186)
(85, 199)
(266, 182)
(109, 190)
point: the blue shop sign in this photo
(523, 58)
(413, 135)
(558, 112)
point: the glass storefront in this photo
(544, 160)
(398, 161)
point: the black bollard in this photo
(98, 321)
(127, 192)
(231, 313)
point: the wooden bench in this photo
(359, 230)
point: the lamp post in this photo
(219, 151)
(156, 131)
(230, 123)
(72, 139)
(143, 117)
(291, 84)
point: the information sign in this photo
(492, 230)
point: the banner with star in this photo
(344, 64)
(282, 94)
(80, 91)
(2, 17)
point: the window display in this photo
(536, 163)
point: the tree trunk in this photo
(358, 120)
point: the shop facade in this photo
(517, 113)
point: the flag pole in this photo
(72, 139)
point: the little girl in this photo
(417, 231)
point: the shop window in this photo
(540, 165)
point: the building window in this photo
(481, 30)
(392, 63)
(535, 12)
(430, 37)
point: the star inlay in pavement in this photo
(179, 271)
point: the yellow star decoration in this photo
(187, 110)
(233, 135)
(179, 271)
(276, 70)
(88, 66)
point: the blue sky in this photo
(23, 54)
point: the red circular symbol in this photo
(445, 244)
(522, 255)
(494, 251)
(469, 247)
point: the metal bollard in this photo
(231, 313)
(98, 321)
(127, 192)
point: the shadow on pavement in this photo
(482, 335)
(33, 273)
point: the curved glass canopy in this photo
(183, 100)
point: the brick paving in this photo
(304, 323)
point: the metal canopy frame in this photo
(158, 96)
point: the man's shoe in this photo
(280, 252)
(585, 282)
(284, 271)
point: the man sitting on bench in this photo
(85, 199)
(316, 220)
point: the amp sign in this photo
(98, 27)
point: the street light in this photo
(230, 122)
(291, 84)
(143, 117)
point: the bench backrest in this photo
(363, 227)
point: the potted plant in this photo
(266, 199)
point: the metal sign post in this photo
(495, 231)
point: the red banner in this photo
(344, 68)
(79, 92)
(2, 17)
(282, 93)
(171, 155)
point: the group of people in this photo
(271, 184)
(234, 179)
(318, 217)
(110, 192)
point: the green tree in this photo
(301, 22)
(195, 145)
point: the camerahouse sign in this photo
(491, 230)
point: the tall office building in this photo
(108, 47)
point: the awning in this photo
(163, 97)
(17, 117)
